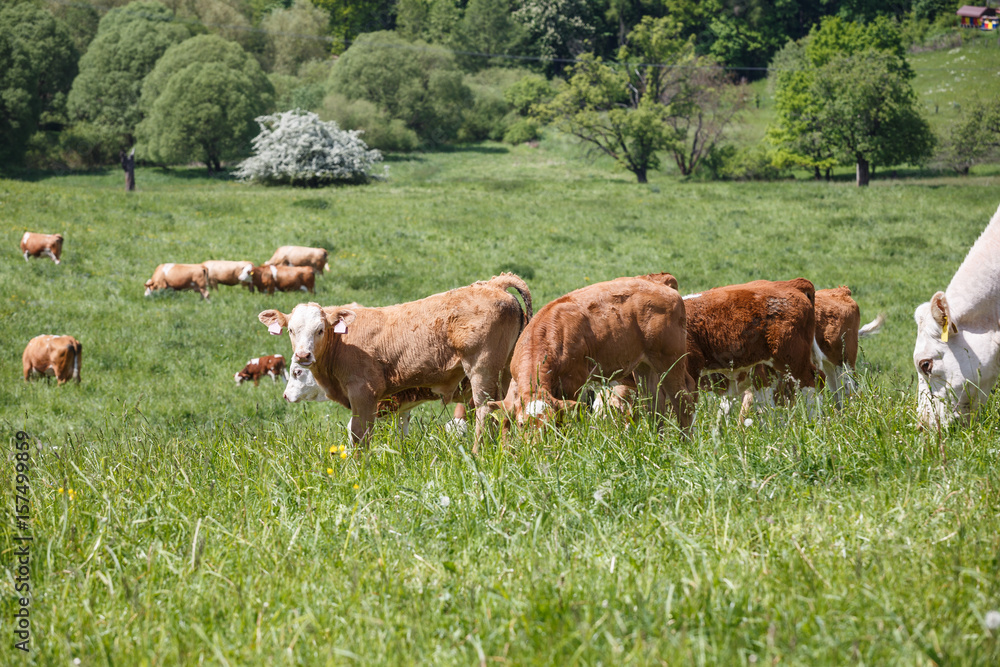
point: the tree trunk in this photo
(862, 172)
(640, 174)
(816, 174)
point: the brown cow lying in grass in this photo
(53, 356)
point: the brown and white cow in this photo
(269, 278)
(629, 328)
(258, 367)
(361, 355)
(224, 272)
(297, 255)
(53, 356)
(734, 328)
(179, 277)
(42, 245)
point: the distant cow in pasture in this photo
(271, 278)
(258, 367)
(179, 277)
(53, 356)
(223, 272)
(360, 355)
(297, 255)
(42, 245)
(632, 329)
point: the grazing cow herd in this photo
(627, 339)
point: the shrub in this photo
(750, 163)
(381, 131)
(298, 148)
(522, 130)
(414, 82)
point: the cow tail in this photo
(506, 281)
(77, 349)
(873, 327)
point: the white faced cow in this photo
(957, 354)
(361, 355)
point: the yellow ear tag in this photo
(944, 330)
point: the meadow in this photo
(212, 523)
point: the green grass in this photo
(205, 525)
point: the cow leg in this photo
(26, 255)
(362, 417)
(484, 380)
(404, 423)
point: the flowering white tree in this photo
(298, 148)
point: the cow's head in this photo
(246, 274)
(536, 410)
(307, 324)
(955, 365)
(302, 386)
(149, 287)
(240, 377)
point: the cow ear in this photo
(942, 315)
(339, 319)
(275, 320)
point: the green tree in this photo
(655, 98)
(487, 28)
(129, 41)
(974, 138)
(204, 49)
(205, 112)
(38, 65)
(414, 82)
(350, 18)
(868, 111)
(295, 36)
(805, 132)
(556, 29)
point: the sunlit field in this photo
(216, 523)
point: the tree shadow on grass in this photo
(469, 148)
(37, 175)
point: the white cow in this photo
(957, 354)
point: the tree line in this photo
(183, 80)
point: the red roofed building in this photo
(983, 18)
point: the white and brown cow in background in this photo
(53, 356)
(360, 355)
(838, 320)
(271, 278)
(632, 329)
(42, 245)
(224, 272)
(269, 364)
(179, 277)
(297, 255)
(957, 352)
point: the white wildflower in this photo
(992, 620)
(445, 501)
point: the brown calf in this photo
(57, 356)
(361, 355)
(297, 255)
(629, 328)
(734, 328)
(269, 278)
(38, 245)
(179, 277)
(258, 367)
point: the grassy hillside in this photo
(210, 522)
(947, 80)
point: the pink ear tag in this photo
(340, 327)
(274, 329)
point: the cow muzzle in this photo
(304, 358)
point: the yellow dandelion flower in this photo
(60, 489)
(343, 448)
(333, 449)
(72, 494)
(329, 471)
(356, 486)
(343, 455)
